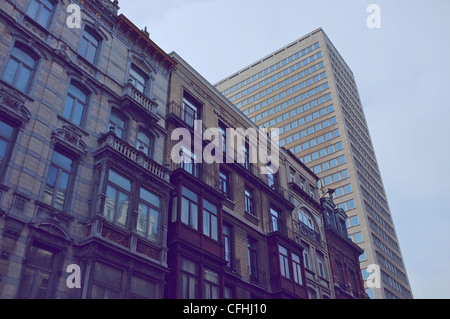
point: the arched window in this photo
(89, 46)
(305, 218)
(118, 122)
(19, 69)
(76, 104)
(145, 141)
(40, 11)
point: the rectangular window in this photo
(284, 262)
(297, 269)
(210, 220)
(106, 283)
(58, 180)
(252, 258)
(76, 103)
(227, 244)
(321, 265)
(249, 202)
(307, 257)
(117, 201)
(137, 78)
(189, 208)
(190, 110)
(224, 188)
(211, 284)
(36, 273)
(6, 138)
(148, 215)
(189, 279)
(275, 220)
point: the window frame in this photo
(90, 31)
(118, 190)
(21, 65)
(59, 171)
(36, 16)
(75, 103)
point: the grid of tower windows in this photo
(282, 84)
(272, 68)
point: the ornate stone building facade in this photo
(89, 119)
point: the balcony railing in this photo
(185, 116)
(305, 229)
(233, 265)
(117, 144)
(199, 172)
(142, 101)
(257, 275)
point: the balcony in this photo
(110, 140)
(258, 276)
(138, 103)
(198, 171)
(233, 265)
(305, 229)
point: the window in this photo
(292, 175)
(36, 274)
(252, 258)
(19, 69)
(190, 111)
(249, 202)
(305, 219)
(246, 153)
(76, 103)
(137, 78)
(40, 11)
(307, 257)
(211, 284)
(189, 208)
(58, 180)
(275, 220)
(321, 265)
(89, 45)
(189, 281)
(145, 143)
(223, 131)
(148, 215)
(141, 288)
(297, 269)
(106, 283)
(210, 220)
(227, 244)
(118, 123)
(224, 188)
(117, 201)
(6, 138)
(188, 162)
(284, 262)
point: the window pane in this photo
(10, 72)
(141, 226)
(150, 197)
(107, 275)
(33, 9)
(194, 216)
(123, 208)
(62, 161)
(153, 225)
(23, 78)
(26, 283)
(24, 57)
(40, 257)
(142, 287)
(61, 192)
(78, 113)
(110, 203)
(119, 180)
(185, 211)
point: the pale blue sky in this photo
(402, 75)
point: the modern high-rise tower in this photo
(308, 92)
